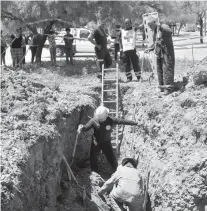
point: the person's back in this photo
(129, 184)
(125, 186)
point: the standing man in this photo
(52, 47)
(98, 37)
(24, 43)
(16, 49)
(117, 41)
(128, 46)
(68, 39)
(3, 49)
(164, 49)
(102, 126)
(33, 46)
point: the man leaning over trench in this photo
(125, 187)
(102, 124)
(98, 37)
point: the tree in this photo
(199, 8)
(180, 14)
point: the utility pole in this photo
(205, 26)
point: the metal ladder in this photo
(110, 97)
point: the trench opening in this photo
(166, 143)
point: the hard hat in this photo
(129, 160)
(101, 112)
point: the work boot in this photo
(129, 79)
(138, 78)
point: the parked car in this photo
(79, 46)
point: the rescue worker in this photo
(128, 46)
(125, 187)
(98, 37)
(102, 125)
(165, 54)
(117, 41)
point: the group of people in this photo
(125, 42)
(19, 41)
(125, 185)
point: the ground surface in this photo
(41, 109)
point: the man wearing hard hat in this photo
(102, 124)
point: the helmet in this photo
(129, 160)
(101, 112)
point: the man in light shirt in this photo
(126, 187)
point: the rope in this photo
(71, 176)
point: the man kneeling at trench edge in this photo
(102, 125)
(126, 187)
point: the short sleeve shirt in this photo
(68, 42)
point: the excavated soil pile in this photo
(171, 141)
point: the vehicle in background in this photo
(80, 45)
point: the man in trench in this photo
(102, 124)
(98, 37)
(164, 49)
(126, 187)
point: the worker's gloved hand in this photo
(80, 127)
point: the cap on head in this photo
(129, 160)
(101, 112)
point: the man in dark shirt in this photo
(164, 49)
(102, 125)
(16, 49)
(99, 38)
(33, 46)
(68, 39)
(117, 41)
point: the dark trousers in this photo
(33, 51)
(69, 53)
(165, 68)
(24, 51)
(117, 49)
(107, 149)
(128, 57)
(103, 57)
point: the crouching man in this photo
(102, 125)
(125, 187)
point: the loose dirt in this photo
(40, 113)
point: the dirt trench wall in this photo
(41, 173)
(171, 144)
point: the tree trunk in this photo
(41, 38)
(181, 25)
(201, 29)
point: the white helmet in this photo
(101, 113)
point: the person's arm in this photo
(91, 39)
(165, 29)
(86, 127)
(108, 185)
(121, 45)
(118, 121)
